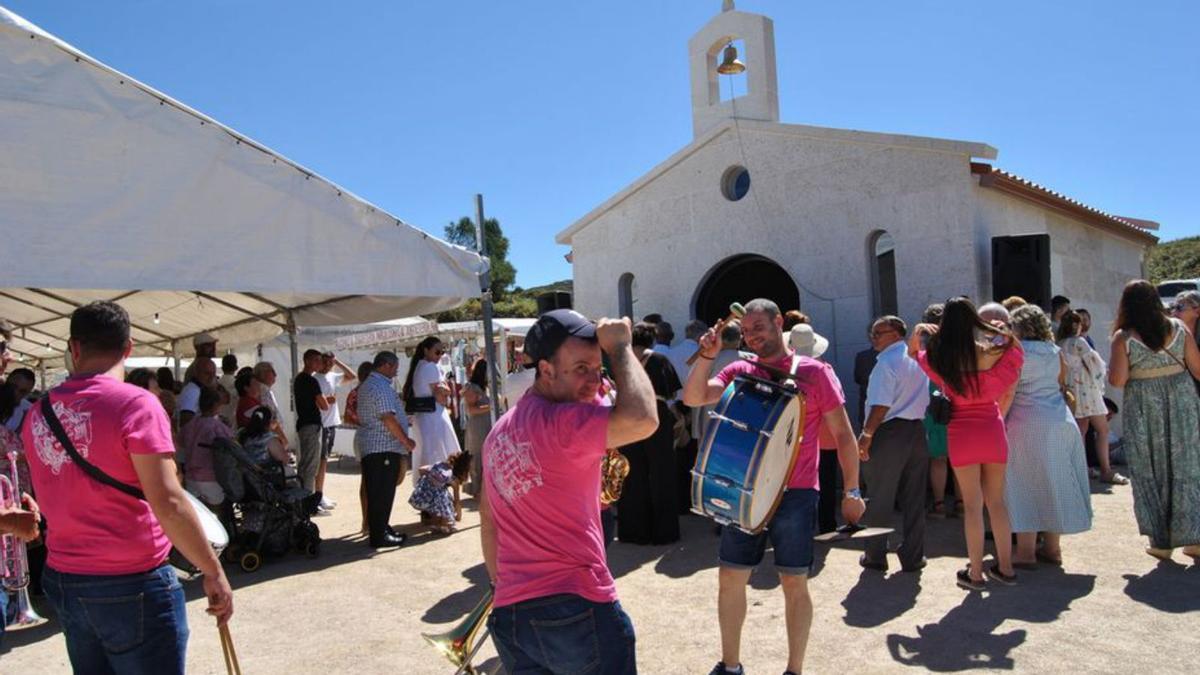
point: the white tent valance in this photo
(111, 189)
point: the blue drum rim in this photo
(705, 452)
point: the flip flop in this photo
(1114, 478)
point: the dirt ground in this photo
(1111, 607)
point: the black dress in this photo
(647, 512)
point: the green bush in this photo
(1179, 259)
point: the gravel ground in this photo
(1110, 608)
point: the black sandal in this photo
(994, 573)
(965, 582)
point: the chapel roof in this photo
(1023, 188)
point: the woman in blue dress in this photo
(1046, 486)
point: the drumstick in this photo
(232, 667)
(736, 311)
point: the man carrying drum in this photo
(793, 525)
(120, 604)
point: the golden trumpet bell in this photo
(730, 65)
(460, 643)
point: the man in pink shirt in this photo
(555, 607)
(792, 527)
(120, 605)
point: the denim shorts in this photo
(129, 623)
(564, 634)
(791, 532)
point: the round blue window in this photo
(735, 183)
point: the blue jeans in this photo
(791, 533)
(561, 634)
(129, 623)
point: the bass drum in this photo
(748, 452)
(214, 531)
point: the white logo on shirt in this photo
(515, 470)
(77, 424)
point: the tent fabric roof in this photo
(107, 183)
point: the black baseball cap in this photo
(552, 329)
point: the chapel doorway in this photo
(741, 279)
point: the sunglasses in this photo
(882, 332)
(3, 346)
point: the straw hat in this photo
(807, 342)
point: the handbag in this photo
(939, 407)
(1069, 398)
(420, 404)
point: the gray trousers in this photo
(896, 477)
(308, 460)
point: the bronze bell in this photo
(730, 64)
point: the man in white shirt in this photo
(680, 353)
(895, 459)
(331, 416)
(204, 375)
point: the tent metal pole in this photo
(294, 351)
(175, 357)
(485, 302)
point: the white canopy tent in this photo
(110, 189)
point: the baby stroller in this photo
(266, 512)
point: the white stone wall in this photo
(813, 205)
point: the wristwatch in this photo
(853, 493)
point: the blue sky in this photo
(550, 107)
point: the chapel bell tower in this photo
(761, 100)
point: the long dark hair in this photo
(257, 424)
(418, 355)
(1141, 310)
(479, 374)
(1068, 326)
(952, 352)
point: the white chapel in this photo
(844, 225)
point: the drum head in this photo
(773, 472)
(214, 531)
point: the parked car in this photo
(1167, 290)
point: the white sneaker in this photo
(322, 511)
(328, 504)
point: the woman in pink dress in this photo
(977, 366)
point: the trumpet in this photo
(14, 563)
(459, 644)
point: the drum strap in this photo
(88, 468)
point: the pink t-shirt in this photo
(541, 466)
(823, 392)
(198, 460)
(93, 528)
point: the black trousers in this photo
(897, 476)
(380, 471)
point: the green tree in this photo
(503, 273)
(1179, 259)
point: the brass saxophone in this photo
(613, 471)
(14, 563)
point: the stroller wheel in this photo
(312, 548)
(250, 561)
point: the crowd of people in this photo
(1000, 408)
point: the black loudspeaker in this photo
(1021, 266)
(553, 300)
